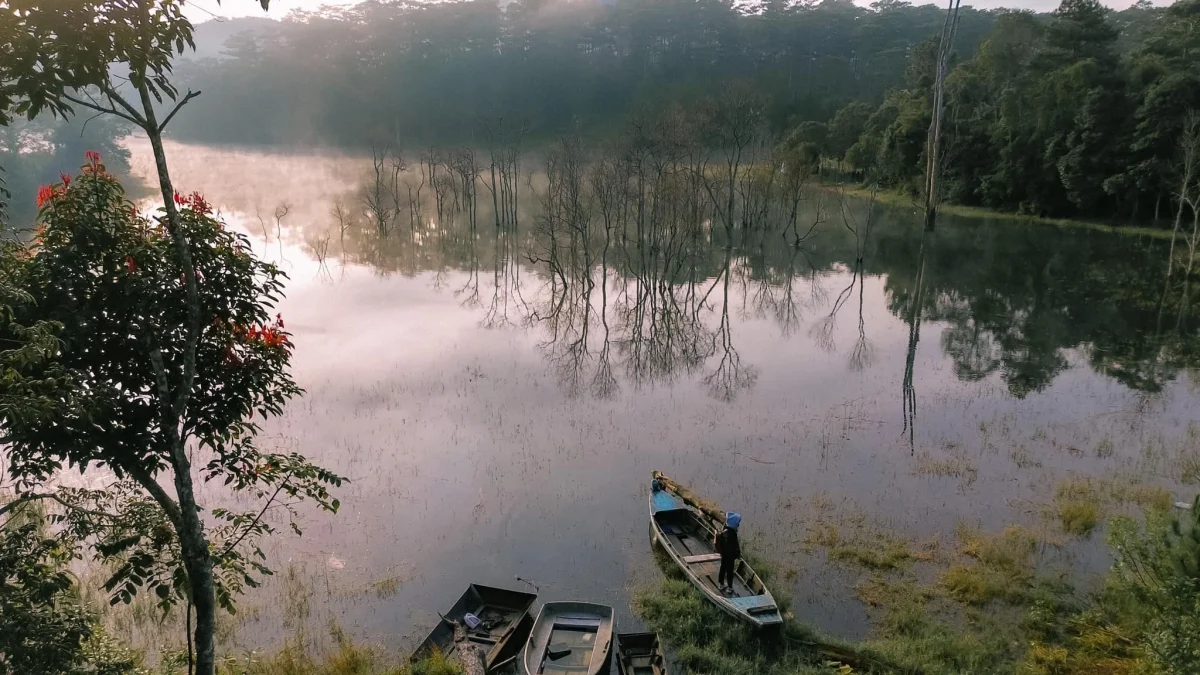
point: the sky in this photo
(204, 10)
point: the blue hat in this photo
(733, 519)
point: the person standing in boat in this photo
(730, 550)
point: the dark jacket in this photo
(727, 544)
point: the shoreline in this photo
(901, 200)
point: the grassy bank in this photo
(900, 199)
(983, 603)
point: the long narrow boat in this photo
(640, 654)
(570, 638)
(686, 529)
(504, 625)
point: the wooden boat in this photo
(640, 654)
(505, 626)
(687, 529)
(570, 638)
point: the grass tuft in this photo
(1079, 517)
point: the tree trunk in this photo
(188, 525)
(198, 563)
(933, 143)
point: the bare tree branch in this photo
(101, 109)
(190, 95)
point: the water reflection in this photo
(624, 283)
(436, 358)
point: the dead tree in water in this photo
(414, 199)
(796, 173)
(564, 226)
(915, 309)
(1189, 186)
(933, 141)
(732, 121)
(431, 161)
(397, 167)
(1191, 143)
(504, 152)
(462, 163)
(378, 195)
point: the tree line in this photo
(430, 72)
(1075, 113)
(1084, 113)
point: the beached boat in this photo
(687, 529)
(570, 638)
(504, 624)
(640, 654)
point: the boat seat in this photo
(703, 557)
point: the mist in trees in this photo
(34, 152)
(446, 72)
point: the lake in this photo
(499, 396)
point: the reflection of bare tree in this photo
(609, 183)
(319, 246)
(663, 331)
(914, 336)
(774, 293)
(863, 353)
(469, 294)
(730, 377)
(506, 282)
(563, 242)
(822, 331)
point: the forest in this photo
(1075, 114)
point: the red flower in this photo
(45, 194)
(92, 157)
(130, 265)
(66, 179)
(195, 202)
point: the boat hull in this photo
(580, 632)
(501, 642)
(752, 602)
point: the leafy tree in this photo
(115, 285)
(43, 626)
(1158, 567)
(1046, 118)
(41, 629)
(845, 128)
(202, 362)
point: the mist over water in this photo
(498, 396)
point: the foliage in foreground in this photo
(43, 627)
(348, 658)
(1155, 588)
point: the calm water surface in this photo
(499, 410)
